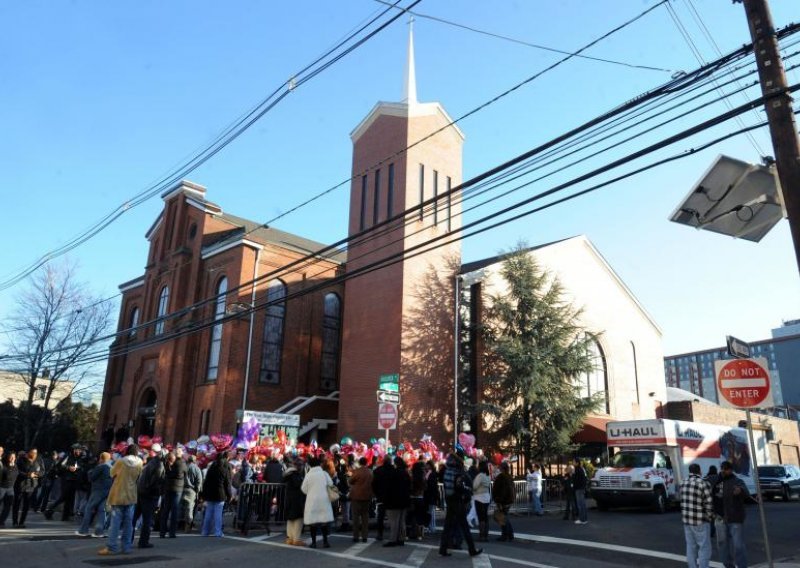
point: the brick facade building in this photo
(184, 364)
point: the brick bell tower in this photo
(399, 318)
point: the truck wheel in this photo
(659, 500)
(787, 494)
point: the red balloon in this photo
(497, 458)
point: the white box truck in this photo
(650, 458)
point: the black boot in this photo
(313, 530)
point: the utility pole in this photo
(782, 127)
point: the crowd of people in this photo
(121, 495)
(714, 507)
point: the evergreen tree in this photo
(536, 355)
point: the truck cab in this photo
(650, 458)
(635, 477)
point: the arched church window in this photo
(216, 331)
(331, 330)
(163, 304)
(272, 344)
(595, 382)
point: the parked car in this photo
(779, 480)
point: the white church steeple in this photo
(410, 86)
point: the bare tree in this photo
(56, 323)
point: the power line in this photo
(672, 86)
(396, 257)
(220, 142)
(525, 43)
(475, 110)
(696, 52)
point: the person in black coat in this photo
(380, 479)
(295, 503)
(70, 470)
(175, 476)
(432, 498)
(148, 490)
(8, 478)
(216, 492)
(397, 500)
(30, 471)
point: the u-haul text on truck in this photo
(652, 457)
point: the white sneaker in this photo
(79, 533)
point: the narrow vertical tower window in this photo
(449, 204)
(435, 198)
(390, 191)
(421, 191)
(376, 198)
(363, 217)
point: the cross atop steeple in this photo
(410, 86)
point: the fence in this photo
(259, 504)
(262, 503)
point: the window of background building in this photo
(216, 331)
(272, 345)
(331, 328)
(133, 322)
(41, 392)
(163, 303)
(390, 192)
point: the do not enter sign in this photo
(744, 383)
(387, 416)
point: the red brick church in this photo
(317, 354)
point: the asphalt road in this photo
(611, 539)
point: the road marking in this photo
(418, 557)
(265, 536)
(357, 548)
(326, 552)
(481, 561)
(605, 546)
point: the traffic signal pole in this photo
(782, 126)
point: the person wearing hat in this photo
(729, 496)
(149, 489)
(100, 478)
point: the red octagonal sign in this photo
(744, 383)
(387, 416)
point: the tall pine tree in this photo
(536, 356)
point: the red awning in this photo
(593, 430)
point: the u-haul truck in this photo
(651, 457)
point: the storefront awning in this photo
(593, 430)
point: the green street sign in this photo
(390, 382)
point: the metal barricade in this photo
(260, 504)
(552, 496)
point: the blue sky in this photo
(100, 99)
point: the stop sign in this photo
(744, 383)
(387, 416)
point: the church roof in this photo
(269, 235)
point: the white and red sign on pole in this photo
(744, 383)
(387, 416)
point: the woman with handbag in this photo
(320, 493)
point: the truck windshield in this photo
(632, 459)
(771, 471)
